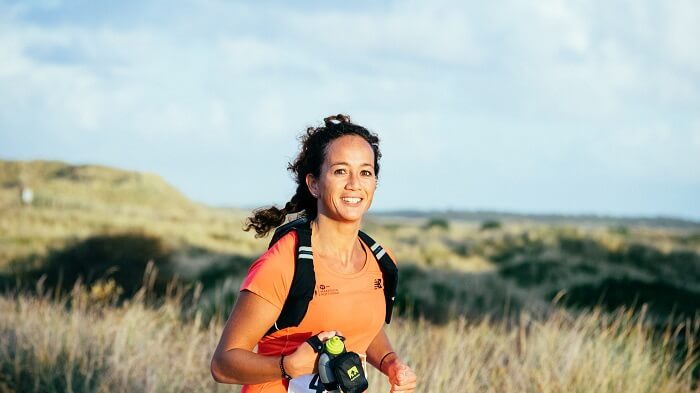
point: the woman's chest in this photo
(355, 306)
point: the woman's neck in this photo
(336, 240)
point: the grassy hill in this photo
(90, 188)
(74, 202)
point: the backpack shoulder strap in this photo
(286, 228)
(301, 290)
(389, 271)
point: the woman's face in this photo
(345, 186)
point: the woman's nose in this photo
(353, 182)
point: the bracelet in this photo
(383, 358)
(284, 372)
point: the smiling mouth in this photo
(352, 200)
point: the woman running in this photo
(336, 175)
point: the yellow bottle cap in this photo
(335, 345)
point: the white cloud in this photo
(432, 32)
(682, 32)
(654, 152)
(528, 90)
(695, 132)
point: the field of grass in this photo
(502, 304)
(84, 342)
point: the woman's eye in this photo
(367, 173)
(339, 171)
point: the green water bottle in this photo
(334, 347)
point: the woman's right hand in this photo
(303, 360)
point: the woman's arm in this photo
(234, 360)
(382, 356)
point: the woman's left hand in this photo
(401, 377)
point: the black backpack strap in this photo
(286, 228)
(389, 271)
(301, 290)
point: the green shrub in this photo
(122, 257)
(619, 230)
(490, 224)
(437, 222)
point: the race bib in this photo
(309, 383)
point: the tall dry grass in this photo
(84, 342)
(591, 352)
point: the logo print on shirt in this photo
(323, 290)
(378, 283)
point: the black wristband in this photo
(284, 372)
(315, 343)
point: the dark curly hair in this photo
(313, 152)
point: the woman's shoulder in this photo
(270, 275)
(283, 247)
(280, 253)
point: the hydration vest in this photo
(301, 291)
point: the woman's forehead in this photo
(349, 148)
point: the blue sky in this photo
(524, 106)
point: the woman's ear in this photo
(311, 183)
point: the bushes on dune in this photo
(122, 257)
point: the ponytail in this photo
(264, 220)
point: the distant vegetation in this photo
(100, 241)
(437, 222)
(490, 224)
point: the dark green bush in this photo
(437, 222)
(662, 299)
(121, 257)
(490, 224)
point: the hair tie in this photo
(336, 120)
